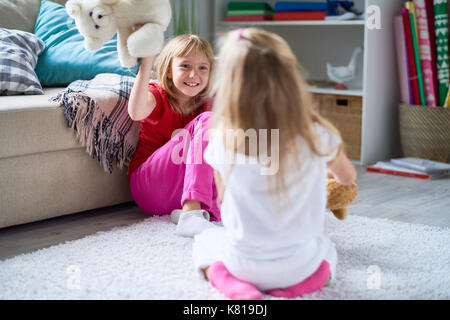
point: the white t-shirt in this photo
(255, 229)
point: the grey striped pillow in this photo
(19, 52)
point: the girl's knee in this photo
(201, 124)
(204, 117)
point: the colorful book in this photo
(300, 15)
(423, 165)
(441, 29)
(447, 100)
(411, 7)
(250, 18)
(411, 60)
(286, 6)
(246, 5)
(402, 63)
(429, 6)
(425, 53)
(248, 12)
(387, 167)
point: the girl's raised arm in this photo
(342, 169)
(142, 102)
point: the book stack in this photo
(300, 10)
(412, 167)
(421, 33)
(249, 11)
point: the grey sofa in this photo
(44, 171)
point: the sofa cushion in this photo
(19, 52)
(19, 14)
(65, 59)
(51, 184)
(32, 124)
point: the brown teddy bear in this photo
(339, 197)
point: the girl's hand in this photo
(343, 171)
(330, 174)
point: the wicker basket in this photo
(425, 132)
(344, 112)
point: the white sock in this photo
(175, 215)
(193, 222)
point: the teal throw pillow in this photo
(65, 59)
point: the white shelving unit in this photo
(355, 92)
(317, 42)
(298, 23)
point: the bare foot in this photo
(206, 273)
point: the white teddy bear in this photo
(98, 21)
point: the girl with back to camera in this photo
(273, 238)
(162, 176)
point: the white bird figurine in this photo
(343, 73)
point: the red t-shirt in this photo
(157, 128)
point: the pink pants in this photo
(177, 172)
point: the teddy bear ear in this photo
(73, 8)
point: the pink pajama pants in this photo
(177, 172)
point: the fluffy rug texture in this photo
(377, 259)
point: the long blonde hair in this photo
(182, 46)
(258, 84)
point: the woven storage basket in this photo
(344, 112)
(425, 132)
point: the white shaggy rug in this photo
(377, 259)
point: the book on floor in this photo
(423, 165)
(388, 167)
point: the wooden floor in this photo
(380, 196)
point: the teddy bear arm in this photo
(336, 201)
(125, 58)
(339, 196)
(341, 213)
(147, 41)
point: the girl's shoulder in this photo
(162, 101)
(323, 130)
(328, 140)
(156, 88)
(158, 92)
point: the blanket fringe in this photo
(96, 132)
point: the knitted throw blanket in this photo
(97, 111)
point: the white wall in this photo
(204, 16)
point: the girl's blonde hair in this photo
(259, 85)
(181, 46)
